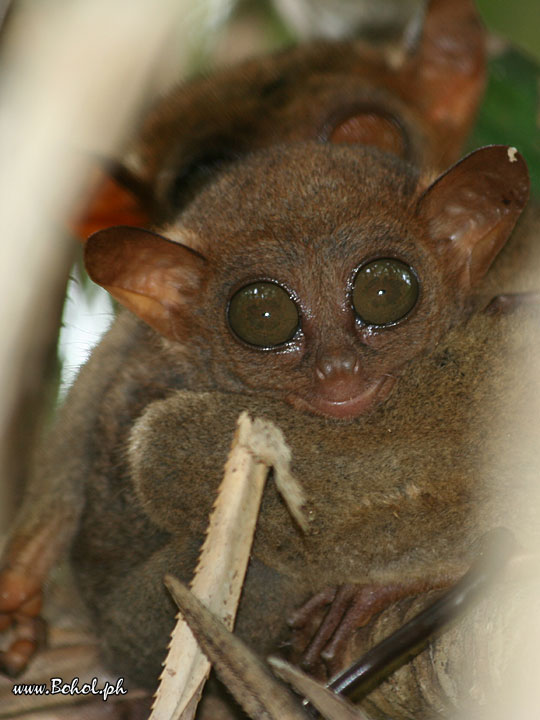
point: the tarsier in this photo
(312, 260)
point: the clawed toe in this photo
(20, 605)
(29, 635)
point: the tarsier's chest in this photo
(400, 497)
(412, 473)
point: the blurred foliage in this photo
(516, 20)
(509, 113)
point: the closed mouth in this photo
(349, 408)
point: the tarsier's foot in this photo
(20, 605)
(508, 303)
(323, 625)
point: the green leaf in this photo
(510, 112)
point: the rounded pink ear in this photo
(373, 128)
(471, 210)
(154, 277)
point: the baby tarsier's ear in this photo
(154, 277)
(447, 67)
(472, 209)
(442, 76)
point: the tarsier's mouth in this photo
(350, 408)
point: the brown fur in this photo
(399, 494)
(130, 471)
(305, 93)
(162, 422)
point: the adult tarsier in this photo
(312, 261)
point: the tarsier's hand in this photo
(20, 606)
(324, 624)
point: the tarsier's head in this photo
(315, 273)
(416, 99)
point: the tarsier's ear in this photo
(471, 210)
(154, 277)
(370, 127)
(442, 76)
(447, 69)
(117, 199)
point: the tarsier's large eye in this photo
(384, 291)
(263, 314)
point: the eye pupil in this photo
(384, 291)
(263, 314)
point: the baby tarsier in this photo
(312, 261)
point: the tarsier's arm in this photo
(46, 522)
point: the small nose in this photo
(334, 363)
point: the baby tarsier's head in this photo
(315, 273)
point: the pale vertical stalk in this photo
(219, 576)
(508, 649)
(73, 80)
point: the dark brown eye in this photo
(384, 291)
(263, 314)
